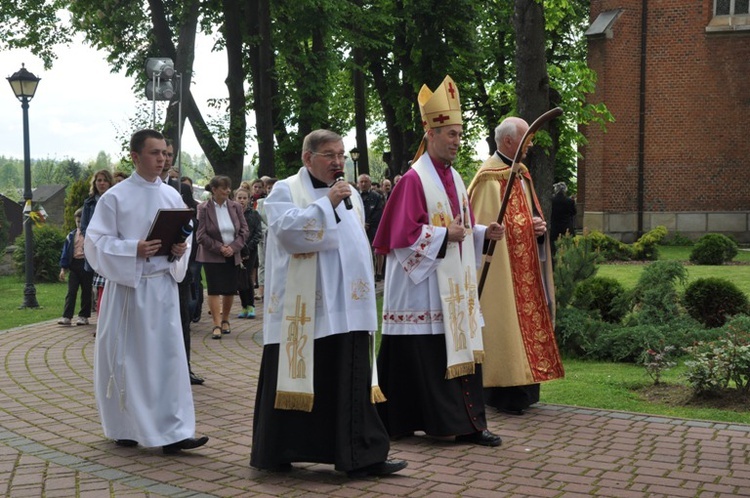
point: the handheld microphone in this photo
(340, 178)
(185, 232)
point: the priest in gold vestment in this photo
(518, 299)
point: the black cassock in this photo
(343, 428)
(411, 370)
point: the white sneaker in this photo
(64, 321)
(82, 320)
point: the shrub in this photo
(76, 194)
(627, 343)
(575, 261)
(655, 299)
(656, 362)
(647, 247)
(715, 365)
(48, 243)
(676, 239)
(602, 294)
(576, 331)
(610, 248)
(713, 249)
(711, 300)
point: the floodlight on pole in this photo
(160, 71)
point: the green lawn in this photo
(617, 386)
(51, 299)
(628, 273)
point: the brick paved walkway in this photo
(51, 443)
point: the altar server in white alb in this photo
(316, 392)
(141, 378)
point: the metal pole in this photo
(153, 102)
(29, 293)
(179, 127)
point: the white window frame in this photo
(728, 22)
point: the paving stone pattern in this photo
(51, 443)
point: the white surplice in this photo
(345, 287)
(141, 379)
(411, 300)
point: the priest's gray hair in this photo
(316, 139)
(558, 188)
(507, 128)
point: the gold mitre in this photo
(441, 108)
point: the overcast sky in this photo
(80, 107)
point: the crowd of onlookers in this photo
(248, 270)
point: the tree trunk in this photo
(360, 112)
(262, 74)
(532, 90)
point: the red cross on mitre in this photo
(440, 119)
(451, 90)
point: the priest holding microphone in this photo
(317, 391)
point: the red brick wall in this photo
(697, 120)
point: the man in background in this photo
(184, 287)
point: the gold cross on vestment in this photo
(470, 286)
(456, 316)
(299, 319)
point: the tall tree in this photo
(532, 88)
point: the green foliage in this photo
(655, 299)
(575, 261)
(76, 194)
(627, 343)
(577, 330)
(656, 362)
(713, 249)
(716, 366)
(676, 240)
(610, 248)
(711, 300)
(604, 295)
(48, 243)
(646, 248)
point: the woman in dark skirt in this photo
(221, 235)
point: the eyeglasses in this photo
(331, 156)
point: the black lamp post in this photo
(354, 154)
(24, 86)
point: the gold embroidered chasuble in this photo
(519, 335)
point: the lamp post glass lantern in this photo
(354, 154)
(24, 86)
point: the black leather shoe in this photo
(511, 411)
(379, 469)
(195, 379)
(126, 443)
(186, 444)
(281, 467)
(482, 438)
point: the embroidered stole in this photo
(457, 277)
(294, 389)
